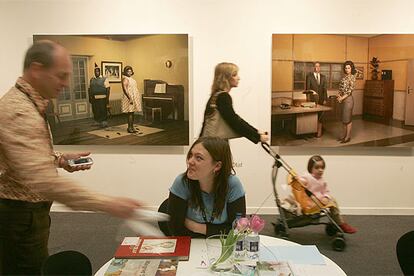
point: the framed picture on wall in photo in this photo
(112, 70)
(352, 108)
(112, 107)
(359, 75)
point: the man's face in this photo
(97, 72)
(52, 80)
(317, 68)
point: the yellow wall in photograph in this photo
(399, 73)
(282, 76)
(357, 49)
(323, 48)
(282, 48)
(148, 54)
(392, 46)
(393, 50)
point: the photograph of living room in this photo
(158, 65)
(382, 113)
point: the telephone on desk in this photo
(284, 106)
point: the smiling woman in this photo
(205, 199)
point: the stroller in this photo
(312, 209)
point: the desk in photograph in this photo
(198, 253)
(305, 118)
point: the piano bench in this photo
(153, 110)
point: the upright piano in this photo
(171, 102)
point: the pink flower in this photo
(242, 224)
(256, 224)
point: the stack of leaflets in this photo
(143, 267)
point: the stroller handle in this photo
(269, 150)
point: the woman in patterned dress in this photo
(346, 86)
(131, 99)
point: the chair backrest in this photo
(163, 225)
(67, 263)
(405, 253)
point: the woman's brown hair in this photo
(219, 150)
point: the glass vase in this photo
(220, 254)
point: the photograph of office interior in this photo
(159, 64)
(383, 102)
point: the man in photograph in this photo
(317, 82)
(99, 97)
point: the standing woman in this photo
(346, 86)
(131, 99)
(220, 119)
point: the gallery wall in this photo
(364, 181)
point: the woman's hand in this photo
(195, 226)
(339, 99)
(264, 137)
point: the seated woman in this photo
(317, 185)
(205, 199)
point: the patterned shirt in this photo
(347, 85)
(27, 160)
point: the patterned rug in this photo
(121, 131)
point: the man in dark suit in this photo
(317, 82)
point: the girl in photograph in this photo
(346, 86)
(220, 119)
(314, 182)
(205, 199)
(131, 99)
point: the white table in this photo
(198, 252)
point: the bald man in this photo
(29, 181)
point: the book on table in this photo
(144, 267)
(154, 248)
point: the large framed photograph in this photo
(92, 110)
(112, 70)
(380, 112)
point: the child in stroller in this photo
(314, 182)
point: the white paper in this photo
(160, 88)
(130, 241)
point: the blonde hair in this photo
(222, 74)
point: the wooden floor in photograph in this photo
(364, 133)
(86, 132)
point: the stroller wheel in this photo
(338, 243)
(330, 230)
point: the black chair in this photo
(67, 263)
(405, 253)
(163, 225)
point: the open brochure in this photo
(143, 267)
(154, 247)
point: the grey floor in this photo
(371, 251)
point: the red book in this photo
(154, 247)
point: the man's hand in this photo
(63, 161)
(122, 207)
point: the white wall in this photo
(363, 180)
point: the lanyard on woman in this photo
(203, 213)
